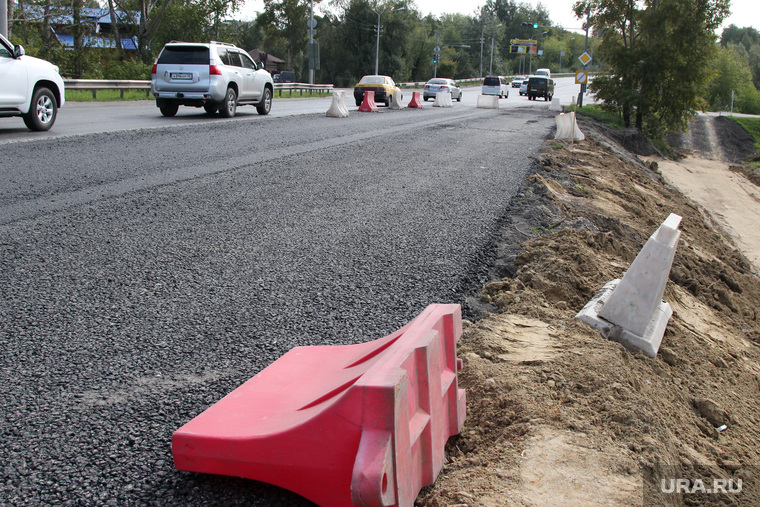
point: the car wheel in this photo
(546, 98)
(211, 108)
(266, 102)
(169, 109)
(358, 102)
(459, 99)
(228, 107)
(42, 111)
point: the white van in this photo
(495, 85)
(543, 72)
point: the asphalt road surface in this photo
(146, 273)
(77, 118)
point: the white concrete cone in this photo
(396, 101)
(443, 99)
(338, 107)
(555, 105)
(631, 311)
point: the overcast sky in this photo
(743, 12)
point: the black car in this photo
(540, 87)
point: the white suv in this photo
(216, 76)
(29, 87)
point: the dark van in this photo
(286, 76)
(539, 86)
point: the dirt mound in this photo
(634, 141)
(737, 144)
(558, 415)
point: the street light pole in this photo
(481, 50)
(377, 47)
(482, 39)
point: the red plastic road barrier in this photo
(349, 425)
(368, 104)
(416, 101)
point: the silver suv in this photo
(216, 76)
(29, 87)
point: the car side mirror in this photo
(18, 51)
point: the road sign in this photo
(585, 58)
(311, 23)
(437, 49)
(523, 42)
(581, 77)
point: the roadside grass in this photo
(612, 119)
(115, 95)
(751, 168)
(751, 125)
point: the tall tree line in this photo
(658, 60)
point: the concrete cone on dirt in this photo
(631, 311)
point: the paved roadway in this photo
(77, 118)
(146, 272)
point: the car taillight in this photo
(213, 70)
(155, 66)
(444, 87)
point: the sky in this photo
(743, 12)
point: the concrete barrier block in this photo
(488, 101)
(338, 107)
(368, 103)
(443, 99)
(631, 310)
(416, 101)
(555, 105)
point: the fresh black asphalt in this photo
(146, 274)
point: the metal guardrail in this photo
(122, 85)
(107, 84)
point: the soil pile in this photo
(557, 415)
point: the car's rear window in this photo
(372, 80)
(188, 55)
(538, 81)
(491, 81)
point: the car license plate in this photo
(182, 75)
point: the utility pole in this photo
(435, 56)
(312, 24)
(4, 19)
(481, 50)
(490, 68)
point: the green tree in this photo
(658, 52)
(284, 25)
(747, 42)
(731, 83)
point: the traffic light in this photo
(535, 25)
(435, 57)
